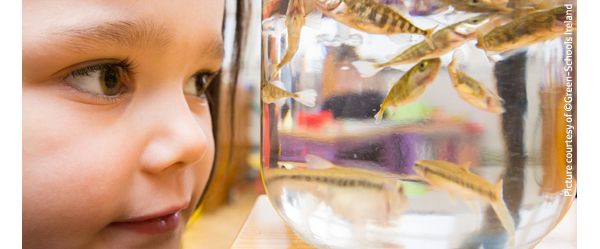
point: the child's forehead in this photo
(151, 22)
(67, 32)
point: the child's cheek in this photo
(74, 171)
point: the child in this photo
(117, 131)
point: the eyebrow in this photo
(121, 33)
(130, 34)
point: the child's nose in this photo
(179, 137)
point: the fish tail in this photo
(306, 97)
(495, 105)
(317, 162)
(503, 214)
(366, 68)
(480, 40)
(379, 115)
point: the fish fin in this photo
(287, 166)
(366, 68)
(507, 10)
(379, 115)
(458, 55)
(544, 4)
(317, 162)
(465, 166)
(428, 36)
(280, 102)
(403, 67)
(498, 189)
(503, 214)
(498, 56)
(400, 8)
(279, 84)
(493, 57)
(306, 97)
(492, 106)
(313, 19)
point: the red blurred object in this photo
(474, 128)
(316, 120)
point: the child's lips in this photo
(158, 223)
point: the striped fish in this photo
(294, 20)
(459, 181)
(352, 192)
(443, 41)
(412, 85)
(273, 92)
(532, 28)
(473, 91)
(370, 16)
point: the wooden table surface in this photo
(264, 229)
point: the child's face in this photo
(117, 139)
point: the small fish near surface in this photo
(532, 28)
(442, 42)
(370, 16)
(473, 91)
(273, 92)
(294, 20)
(355, 193)
(458, 181)
(480, 5)
(412, 85)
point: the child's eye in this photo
(101, 80)
(198, 84)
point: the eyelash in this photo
(207, 78)
(123, 64)
(126, 66)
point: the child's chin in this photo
(124, 238)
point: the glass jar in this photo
(469, 145)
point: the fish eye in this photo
(473, 2)
(422, 66)
(475, 20)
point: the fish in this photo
(442, 42)
(480, 5)
(295, 19)
(473, 91)
(379, 194)
(410, 86)
(370, 16)
(459, 181)
(273, 92)
(532, 28)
